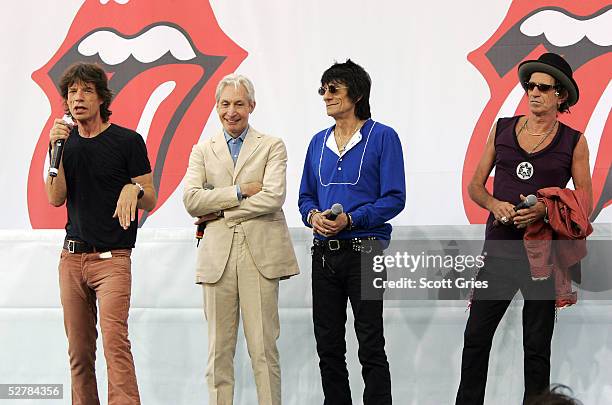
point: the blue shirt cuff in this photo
(238, 192)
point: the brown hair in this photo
(87, 73)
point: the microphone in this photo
(57, 152)
(200, 230)
(528, 202)
(336, 210)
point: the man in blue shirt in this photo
(358, 163)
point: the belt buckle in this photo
(71, 246)
(331, 246)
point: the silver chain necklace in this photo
(543, 138)
(343, 147)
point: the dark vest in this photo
(519, 172)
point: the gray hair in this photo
(236, 80)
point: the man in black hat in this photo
(529, 153)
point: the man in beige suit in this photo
(236, 184)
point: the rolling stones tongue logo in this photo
(163, 62)
(581, 34)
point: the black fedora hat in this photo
(555, 66)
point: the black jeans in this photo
(336, 277)
(505, 277)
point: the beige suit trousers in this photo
(242, 290)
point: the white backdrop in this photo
(423, 85)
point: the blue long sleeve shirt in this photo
(368, 180)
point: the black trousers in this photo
(336, 278)
(505, 277)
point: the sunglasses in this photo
(332, 88)
(541, 86)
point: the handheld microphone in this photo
(57, 152)
(528, 202)
(336, 210)
(200, 230)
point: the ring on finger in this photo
(504, 219)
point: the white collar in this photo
(333, 146)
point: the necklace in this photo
(542, 133)
(342, 147)
(543, 138)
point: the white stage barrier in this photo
(168, 330)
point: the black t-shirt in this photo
(96, 170)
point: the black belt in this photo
(76, 246)
(355, 244)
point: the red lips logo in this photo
(580, 31)
(164, 62)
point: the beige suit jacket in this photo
(264, 159)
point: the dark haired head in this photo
(81, 72)
(557, 67)
(358, 82)
(564, 106)
(555, 395)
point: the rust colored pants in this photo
(85, 278)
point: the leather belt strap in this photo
(341, 244)
(76, 246)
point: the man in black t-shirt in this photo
(104, 177)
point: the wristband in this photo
(140, 190)
(310, 214)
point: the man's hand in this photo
(528, 215)
(206, 218)
(503, 211)
(59, 130)
(325, 227)
(126, 205)
(56, 186)
(250, 189)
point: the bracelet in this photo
(545, 219)
(310, 214)
(349, 218)
(141, 191)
